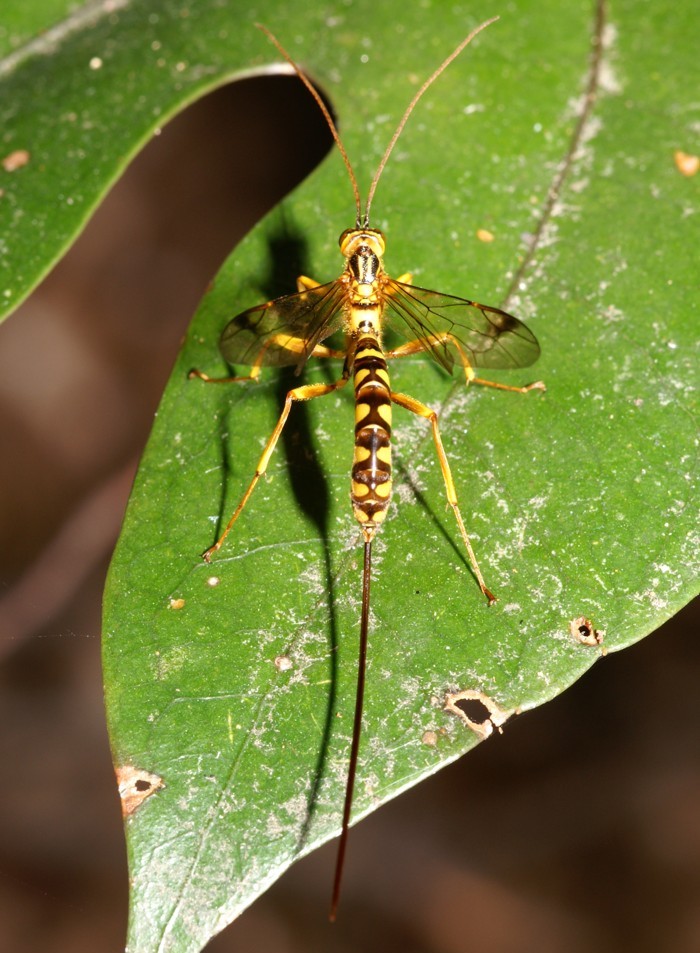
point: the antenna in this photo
(399, 129)
(363, 219)
(327, 116)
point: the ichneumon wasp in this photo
(459, 334)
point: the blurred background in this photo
(577, 830)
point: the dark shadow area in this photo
(288, 259)
(311, 491)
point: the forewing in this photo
(284, 331)
(487, 336)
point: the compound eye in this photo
(345, 239)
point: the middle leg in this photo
(434, 340)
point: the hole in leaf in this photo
(135, 786)
(583, 631)
(474, 709)
(477, 711)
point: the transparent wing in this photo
(488, 336)
(286, 330)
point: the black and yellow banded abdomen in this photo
(371, 471)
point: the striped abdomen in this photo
(371, 471)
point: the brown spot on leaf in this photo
(15, 160)
(135, 786)
(685, 163)
(583, 630)
(283, 663)
(477, 711)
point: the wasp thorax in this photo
(353, 239)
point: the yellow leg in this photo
(253, 376)
(306, 284)
(427, 344)
(322, 351)
(416, 407)
(293, 345)
(471, 379)
(306, 392)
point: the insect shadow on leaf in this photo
(287, 258)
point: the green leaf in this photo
(579, 501)
(25, 24)
(85, 95)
